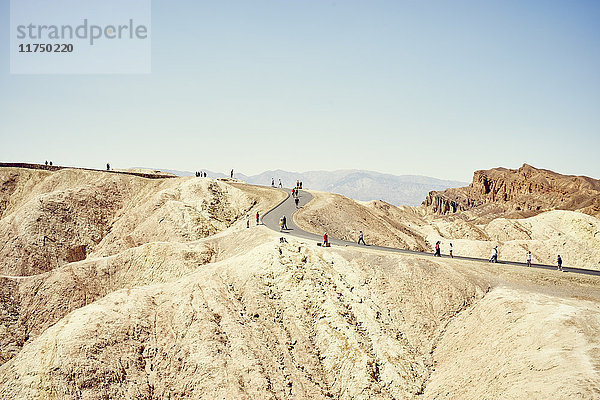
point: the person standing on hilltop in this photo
(272, 182)
(361, 238)
(231, 174)
(559, 263)
(107, 166)
(46, 162)
(280, 185)
(529, 259)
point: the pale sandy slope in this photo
(236, 315)
(573, 235)
(48, 219)
(277, 322)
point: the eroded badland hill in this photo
(122, 287)
(515, 210)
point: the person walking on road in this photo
(297, 201)
(281, 224)
(529, 259)
(494, 257)
(325, 239)
(280, 185)
(284, 223)
(361, 238)
(273, 182)
(437, 249)
(257, 218)
(559, 263)
(451, 248)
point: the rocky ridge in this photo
(515, 193)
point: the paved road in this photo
(288, 208)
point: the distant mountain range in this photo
(409, 190)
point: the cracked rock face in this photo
(524, 192)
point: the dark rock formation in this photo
(522, 192)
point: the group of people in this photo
(200, 174)
(280, 185)
(48, 163)
(558, 261)
(361, 239)
(494, 256)
(438, 249)
(248, 219)
(296, 195)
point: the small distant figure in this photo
(247, 221)
(451, 248)
(438, 252)
(231, 174)
(494, 257)
(107, 166)
(282, 240)
(257, 218)
(297, 200)
(205, 175)
(361, 238)
(272, 182)
(281, 224)
(284, 223)
(46, 162)
(529, 259)
(325, 239)
(300, 184)
(559, 263)
(280, 185)
(293, 192)
(50, 163)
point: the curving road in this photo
(288, 207)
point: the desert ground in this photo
(572, 234)
(121, 287)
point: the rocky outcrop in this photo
(522, 192)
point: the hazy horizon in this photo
(434, 89)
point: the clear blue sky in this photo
(438, 88)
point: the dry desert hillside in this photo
(568, 224)
(170, 296)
